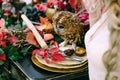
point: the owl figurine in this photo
(69, 27)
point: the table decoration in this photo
(17, 40)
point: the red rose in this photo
(3, 57)
(7, 12)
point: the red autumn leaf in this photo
(3, 57)
(36, 51)
(54, 50)
(57, 57)
(45, 55)
(31, 39)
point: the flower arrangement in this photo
(16, 41)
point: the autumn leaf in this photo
(58, 57)
(48, 37)
(54, 50)
(31, 39)
(41, 27)
(44, 20)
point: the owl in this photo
(68, 26)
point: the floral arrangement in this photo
(16, 41)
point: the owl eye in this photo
(61, 27)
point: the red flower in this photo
(1, 1)
(61, 4)
(2, 39)
(3, 43)
(1, 36)
(3, 57)
(49, 4)
(12, 39)
(7, 12)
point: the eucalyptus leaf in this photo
(1, 62)
(13, 54)
(1, 51)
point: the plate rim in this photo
(42, 66)
(55, 65)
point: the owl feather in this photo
(68, 27)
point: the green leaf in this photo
(58, 38)
(13, 54)
(1, 62)
(6, 49)
(25, 50)
(1, 51)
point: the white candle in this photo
(38, 37)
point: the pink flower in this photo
(41, 7)
(12, 39)
(84, 17)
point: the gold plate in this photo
(55, 65)
(40, 65)
(73, 62)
